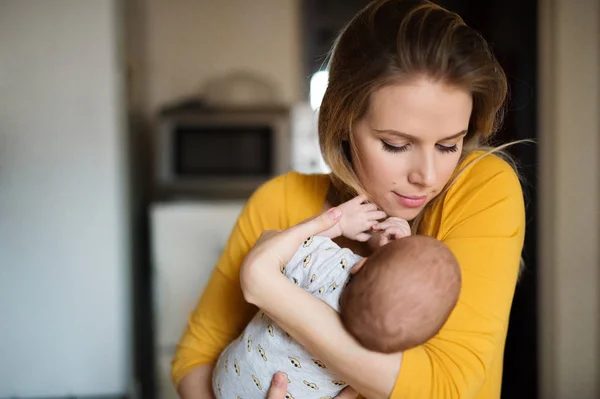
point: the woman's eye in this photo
(446, 149)
(394, 149)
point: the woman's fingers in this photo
(278, 387)
(315, 225)
(347, 393)
(275, 249)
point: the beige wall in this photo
(179, 44)
(64, 242)
(569, 139)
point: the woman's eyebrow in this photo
(411, 137)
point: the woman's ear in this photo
(358, 265)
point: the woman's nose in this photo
(423, 171)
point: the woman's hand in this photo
(278, 389)
(274, 249)
(390, 229)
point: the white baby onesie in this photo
(246, 367)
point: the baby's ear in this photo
(358, 265)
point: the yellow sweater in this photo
(481, 219)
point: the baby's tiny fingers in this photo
(363, 237)
(396, 232)
(359, 199)
(383, 240)
(383, 225)
(377, 215)
(366, 225)
(389, 222)
(370, 207)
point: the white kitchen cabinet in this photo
(187, 239)
(306, 153)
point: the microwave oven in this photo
(220, 153)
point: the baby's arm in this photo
(357, 219)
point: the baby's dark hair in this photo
(403, 294)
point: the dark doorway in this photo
(510, 26)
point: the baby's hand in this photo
(390, 229)
(358, 218)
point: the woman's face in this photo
(409, 143)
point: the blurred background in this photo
(132, 132)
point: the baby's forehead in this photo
(416, 246)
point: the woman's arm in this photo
(483, 224)
(318, 328)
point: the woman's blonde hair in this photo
(395, 41)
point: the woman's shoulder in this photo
(299, 185)
(487, 192)
(291, 197)
(482, 171)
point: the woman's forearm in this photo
(321, 332)
(197, 384)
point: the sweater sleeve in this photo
(222, 313)
(483, 223)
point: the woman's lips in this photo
(411, 201)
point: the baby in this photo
(400, 297)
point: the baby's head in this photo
(402, 295)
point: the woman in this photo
(414, 94)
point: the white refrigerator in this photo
(187, 239)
